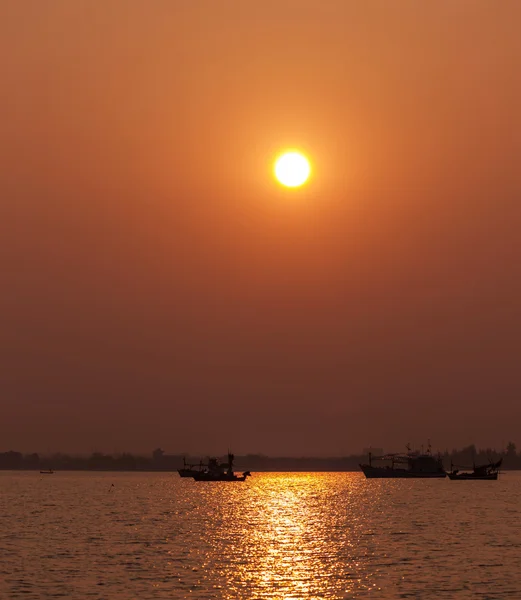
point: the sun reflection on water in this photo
(293, 536)
(298, 538)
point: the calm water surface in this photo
(305, 535)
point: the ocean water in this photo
(293, 535)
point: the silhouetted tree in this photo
(511, 450)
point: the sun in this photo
(292, 169)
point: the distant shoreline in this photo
(159, 461)
(71, 470)
(65, 470)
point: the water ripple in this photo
(155, 536)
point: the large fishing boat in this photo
(411, 464)
(217, 471)
(487, 472)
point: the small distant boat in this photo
(216, 471)
(47, 472)
(417, 465)
(487, 472)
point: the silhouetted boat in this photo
(216, 471)
(409, 465)
(48, 472)
(188, 470)
(487, 472)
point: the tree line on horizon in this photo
(159, 461)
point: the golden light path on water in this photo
(286, 546)
(287, 536)
(291, 541)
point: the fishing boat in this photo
(188, 470)
(216, 471)
(47, 472)
(412, 464)
(488, 472)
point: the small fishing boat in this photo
(487, 472)
(188, 470)
(216, 471)
(413, 464)
(47, 472)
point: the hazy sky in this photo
(159, 288)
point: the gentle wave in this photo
(284, 535)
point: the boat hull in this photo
(221, 477)
(186, 472)
(203, 478)
(390, 473)
(471, 477)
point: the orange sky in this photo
(158, 288)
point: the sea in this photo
(125, 536)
